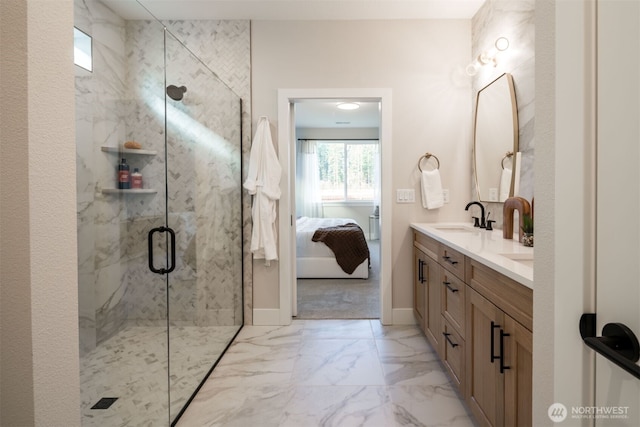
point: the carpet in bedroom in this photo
(342, 298)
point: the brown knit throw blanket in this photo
(347, 243)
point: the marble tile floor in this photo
(132, 366)
(328, 373)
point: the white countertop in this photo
(508, 257)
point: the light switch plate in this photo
(445, 195)
(405, 195)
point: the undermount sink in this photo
(455, 228)
(524, 259)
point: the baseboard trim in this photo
(271, 316)
(266, 316)
(403, 316)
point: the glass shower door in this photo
(160, 266)
(204, 208)
(122, 304)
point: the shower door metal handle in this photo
(172, 250)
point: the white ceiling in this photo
(298, 9)
(325, 114)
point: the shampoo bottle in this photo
(136, 179)
(123, 175)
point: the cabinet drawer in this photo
(453, 354)
(452, 260)
(426, 244)
(513, 298)
(453, 293)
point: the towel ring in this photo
(506, 156)
(427, 156)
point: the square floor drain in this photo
(104, 403)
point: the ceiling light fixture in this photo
(348, 106)
(488, 57)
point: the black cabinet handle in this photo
(501, 357)
(446, 336)
(172, 250)
(449, 260)
(493, 326)
(420, 270)
(618, 343)
(451, 288)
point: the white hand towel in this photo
(432, 197)
(505, 184)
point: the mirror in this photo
(496, 140)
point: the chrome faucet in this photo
(482, 223)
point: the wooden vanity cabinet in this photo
(453, 355)
(484, 381)
(480, 322)
(426, 294)
(452, 312)
(419, 280)
(518, 381)
(499, 318)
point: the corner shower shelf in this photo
(129, 191)
(120, 150)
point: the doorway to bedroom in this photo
(337, 197)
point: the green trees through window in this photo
(347, 170)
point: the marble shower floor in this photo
(132, 366)
(328, 373)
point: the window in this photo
(82, 50)
(347, 170)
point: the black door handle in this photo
(172, 250)
(618, 343)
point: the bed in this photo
(314, 259)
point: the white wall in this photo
(564, 214)
(422, 62)
(38, 303)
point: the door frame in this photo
(286, 152)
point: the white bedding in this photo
(305, 227)
(315, 259)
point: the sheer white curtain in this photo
(308, 197)
(377, 181)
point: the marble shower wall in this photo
(123, 99)
(514, 20)
(100, 121)
(225, 47)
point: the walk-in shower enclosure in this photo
(148, 339)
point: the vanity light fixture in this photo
(488, 57)
(348, 105)
(502, 44)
